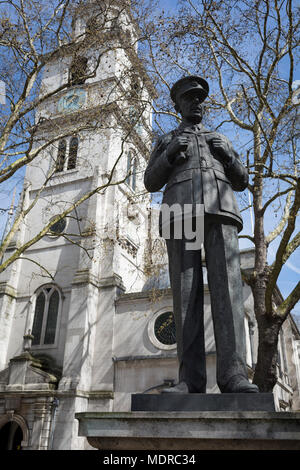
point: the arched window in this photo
(92, 26)
(61, 155)
(72, 145)
(128, 169)
(78, 71)
(44, 327)
(133, 176)
(73, 149)
(52, 318)
(131, 170)
(38, 318)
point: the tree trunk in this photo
(265, 376)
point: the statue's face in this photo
(189, 106)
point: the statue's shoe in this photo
(181, 387)
(239, 384)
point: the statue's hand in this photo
(177, 145)
(221, 145)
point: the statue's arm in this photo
(234, 169)
(237, 173)
(158, 168)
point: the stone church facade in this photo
(81, 329)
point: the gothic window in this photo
(92, 25)
(136, 89)
(133, 176)
(44, 327)
(135, 85)
(62, 162)
(52, 318)
(61, 155)
(73, 149)
(115, 24)
(135, 120)
(131, 170)
(128, 169)
(133, 116)
(78, 71)
(38, 318)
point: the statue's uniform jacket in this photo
(202, 178)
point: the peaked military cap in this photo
(192, 82)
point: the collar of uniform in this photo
(194, 128)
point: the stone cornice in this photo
(146, 358)
(93, 394)
(84, 276)
(131, 296)
(111, 281)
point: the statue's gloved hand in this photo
(176, 147)
(223, 148)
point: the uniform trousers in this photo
(226, 293)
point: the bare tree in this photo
(34, 35)
(247, 51)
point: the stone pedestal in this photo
(207, 430)
(203, 402)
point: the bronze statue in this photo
(200, 167)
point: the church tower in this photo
(93, 135)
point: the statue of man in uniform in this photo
(200, 167)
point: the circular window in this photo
(58, 227)
(162, 330)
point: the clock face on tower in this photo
(72, 101)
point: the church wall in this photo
(94, 147)
(55, 74)
(130, 242)
(132, 317)
(58, 265)
(80, 339)
(102, 374)
(7, 312)
(65, 428)
(15, 345)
